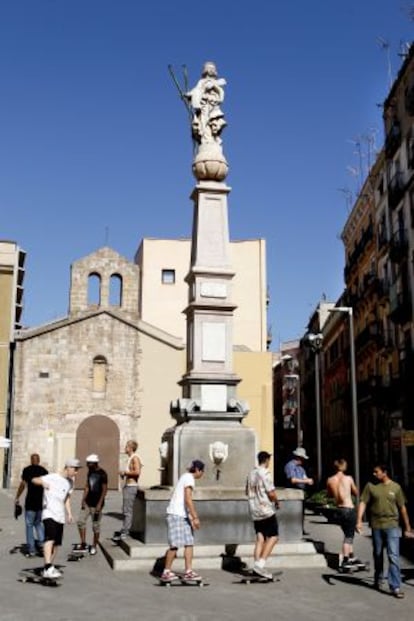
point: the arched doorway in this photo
(98, 434)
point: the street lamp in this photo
(315, 342)
(349, 311)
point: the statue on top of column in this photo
(205, 98)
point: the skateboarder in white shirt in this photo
(56, 499)
(182, 520)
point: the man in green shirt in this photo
(386, 502)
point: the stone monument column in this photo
(209, 415)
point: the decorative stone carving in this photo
(218, 452)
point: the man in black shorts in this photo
(93, 500)
(263, 503)
(57, 489)
(342, 488)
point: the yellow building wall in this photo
(256, 387)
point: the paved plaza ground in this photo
(90, 590)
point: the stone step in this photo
(132, 555)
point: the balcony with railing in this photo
(383, 289)
(400, 304)
(398, 250)
(386, 341)
(382, 239)
(370, 335)
(396, 188)
(393, 139)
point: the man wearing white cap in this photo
(93, 499)
(57, 489)
(295, 472)
(296, 475)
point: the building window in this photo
(99, 375)
(115, 290)
(94, 289)
(168, 277)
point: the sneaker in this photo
(30, 554)
(261, 571)
(192, 575)
(51, 572)
(92, 550)
(398, 594)
(353, 560)
(346, 565)
(80, 547)
(168, 576)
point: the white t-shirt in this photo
(176, 505)
(54, 497)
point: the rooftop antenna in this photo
(409, 9)
(404, 48)
(370, 139)
(348, 195)
(359, 171)
(385, 46)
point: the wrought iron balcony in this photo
(369, 335)
(398, 250)
(393, 139)
(400, 304)
(396, 188)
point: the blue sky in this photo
(95, 143)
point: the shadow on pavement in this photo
(348, 579)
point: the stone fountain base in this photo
(223, 513)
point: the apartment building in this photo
(12, 259)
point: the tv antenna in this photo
(385, 46)
(370, 139)
(409, 9)
(349, 197)
(404, 47)
(358, 151)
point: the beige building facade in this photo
(109, 370)
(164, 265)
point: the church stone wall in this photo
(53, 387)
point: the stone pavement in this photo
(91, 591)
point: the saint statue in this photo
(205, 99)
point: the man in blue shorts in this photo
(263, 503)
(182, 520)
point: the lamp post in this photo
(315, 342)
(349, 311)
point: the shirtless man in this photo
(130, 478)
(341, 487)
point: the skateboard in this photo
(250, 577)
(34, 576)
(352, 569)
(183, 582)
(78, 554)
